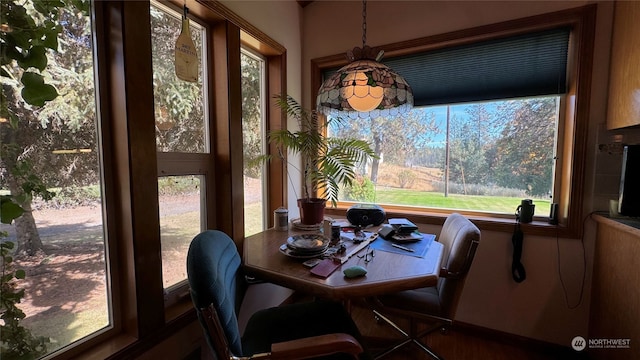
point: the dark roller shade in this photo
(519, 66)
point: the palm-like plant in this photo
(327, 162)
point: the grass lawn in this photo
(506, 205)
(252, 218)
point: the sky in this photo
(455, 111)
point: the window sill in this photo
(490, 222)
(179, 309)
(123, 345)
(98, 351)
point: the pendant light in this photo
(365, 87)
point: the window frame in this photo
(253, 54)
(275, 57)
(572, 129)
(195, 163)
(131, 164)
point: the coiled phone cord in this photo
(517, 269)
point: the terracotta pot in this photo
(311, 210)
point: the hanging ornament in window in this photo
(186, 57)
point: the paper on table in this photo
(351, 236)
(419, 248)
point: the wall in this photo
(553, 303)
(281, 21)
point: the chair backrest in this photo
(213, 265)
(460, 238)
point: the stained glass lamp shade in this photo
(364, 88)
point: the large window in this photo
(181, 137)
(51, 166)
(137, 170)
(253, 135)
(500, 115)
(482, 157)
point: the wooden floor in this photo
(457, 344)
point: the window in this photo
(132, 169)
(497, 119)
(262, 66)
(182, 141)
(181, 125)
(473, 156)
(135, 177)
(61, 242)
(253, 134)
(180, 199)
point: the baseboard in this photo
(539, 346)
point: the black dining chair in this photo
(435, 306)
(314, 329)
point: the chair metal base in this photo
(408, 339)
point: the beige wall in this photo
(281, 21)
(540, 307)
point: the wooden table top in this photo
(387, 273)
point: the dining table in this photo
(388, 268)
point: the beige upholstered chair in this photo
(434, 305)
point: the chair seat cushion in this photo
(422, 300)
(294, 321)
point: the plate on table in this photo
(286, 250)
(305, 246)
(297, 224)
(306, 243)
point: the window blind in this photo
(519, 66)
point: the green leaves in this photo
(36, 58)
(20, 274)
(25, 37)
(337, 166)
(47, 6)
(25, 41)
(25, 31)
(9, 210)
(32, 185)
(35, 91)
(328, 162)
(17, 341)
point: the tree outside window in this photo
(50, 167)
(475, 156)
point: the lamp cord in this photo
(584, 267)
(364, 23)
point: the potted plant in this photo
(327, 162)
